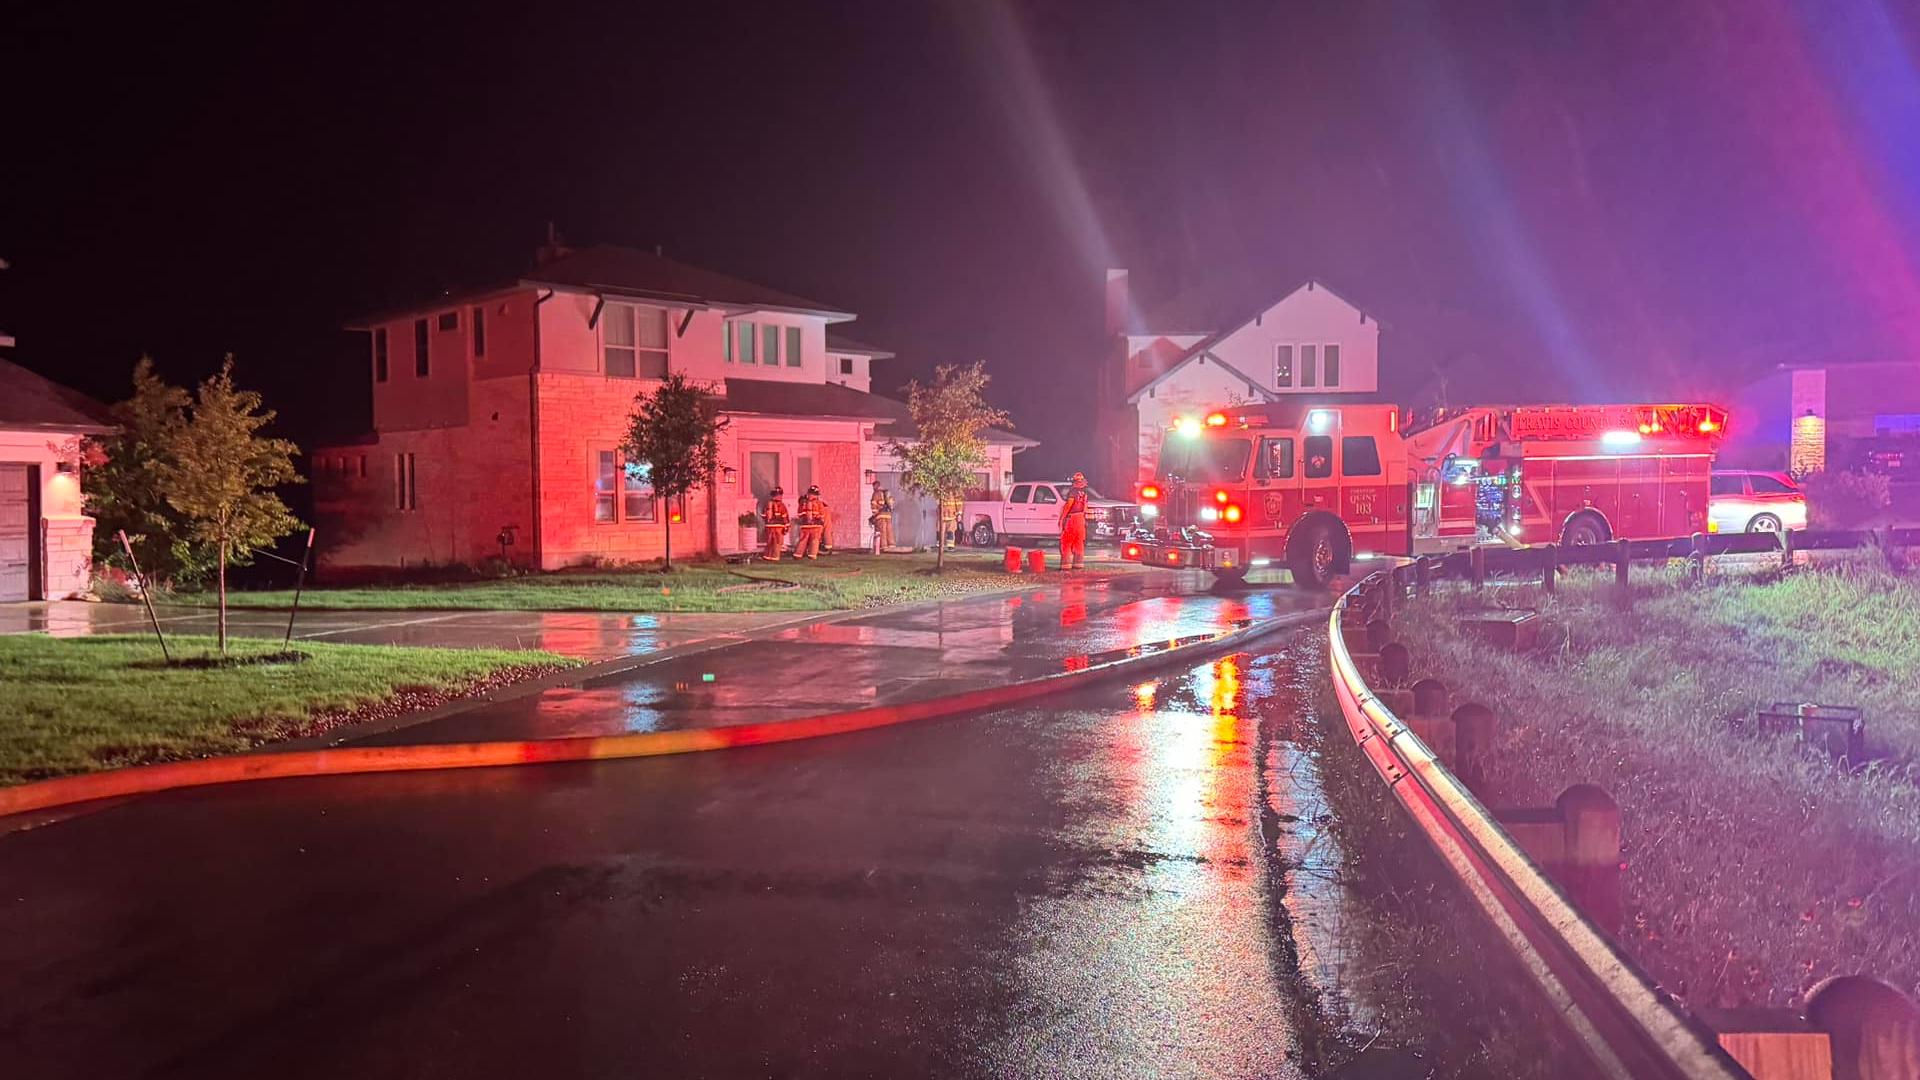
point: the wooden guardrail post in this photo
(1697, 558)
(1577, 842)
(1550, 554)
(1429, 720)
(1396, 663)
(1473, 728)
(1786, 549)
(1622, 561)
(1874, 1029)
(1379, 632)
(1421, 572)
(1477, 567)
(1771, 1044)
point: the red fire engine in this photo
(1313, 486)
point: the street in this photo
(1092, 888)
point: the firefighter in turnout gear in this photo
(813, 521)
(882, 520)
(775, 516)
(1073, 526)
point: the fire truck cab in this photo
(1312, 487)
(1308, 487)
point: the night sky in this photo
(1581, 200)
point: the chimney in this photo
(1118, 304)
(555, 247)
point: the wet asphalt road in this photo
(1087, 889)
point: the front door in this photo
(913, 513)
(16, 533)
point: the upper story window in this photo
(380, 354)
(635, 339)
(770, 345)
(748, 342)
(1318, 364)
(1330, 365)
(479, 331)
(1283, 365)
(846, 365)
(449, 320)
(1309, 360)
(793, 346)
(420, 366)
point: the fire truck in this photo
(1312, 487)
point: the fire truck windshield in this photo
(1204, 460)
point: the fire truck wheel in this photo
(1314, 555)
(982, 534)
(1584, 530)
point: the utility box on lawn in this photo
(1839, 730)
(1515, 630)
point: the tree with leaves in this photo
(122, 485)
(220, 473)
(950, 417)
(674, 433)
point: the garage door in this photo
(16, 534)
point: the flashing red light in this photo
(1707, 427)
(1232, 513)
(1218, 419)
(1131, 551)
(1149, 491)
(1173, 556)
(1220, 497)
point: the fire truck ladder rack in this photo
(1612, 1010)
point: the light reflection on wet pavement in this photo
(884, 658)
(1086, 889)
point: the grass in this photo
(80, 704)
(833, 583)
(1753, 867)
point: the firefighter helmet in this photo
(776, 493)
(813, 489)
(1079, 480)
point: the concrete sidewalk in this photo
(587, 635)
(885, 657)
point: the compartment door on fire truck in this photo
(1276, 499)
(1372, 503)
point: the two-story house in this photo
(498, 416)
(1195, 353)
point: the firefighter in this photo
(1073, 526)
(775, 515)
(826, 523)
(813, 522)
(882, 520)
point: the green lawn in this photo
(834, 582)
(1754, 867)
(78, 704)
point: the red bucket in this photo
(1036, 561)
(1013, 560)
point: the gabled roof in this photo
(28, 400)
(841, 343)
(832, 401)
(1204, 347)
(1196, 353)
(1210, 308)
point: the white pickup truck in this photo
(1032, 508)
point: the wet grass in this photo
(70, 705)
(1754, 866)
(834, 582)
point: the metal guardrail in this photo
(1499, 560)
(1614, 1013)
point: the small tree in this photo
(675, 431)
(220, 473)
(950, 416)
(122, 485)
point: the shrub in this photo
(1847, 500)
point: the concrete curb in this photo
(147, 779)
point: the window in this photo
(1359, 455)
(846, 365)
(420, 348)
(1020, 494)
(636, 497)
(726, 341)
(449, 320)
(479, 331)
(1727, 485)
(770, 346)
(793, 346)
(1283, 365)
(1319, 455)
(606, 485)
(652, 342)
(1308, 361)
(763, 473)
(747, 340)
(380, 355)
(1276, 460)
(406, 492)
(1044, 495)
(1767, 485)
(617, 341)
(1330, 365)
(1205, 461)
(802, 474)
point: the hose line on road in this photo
(338, 761)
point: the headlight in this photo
(1209, 513)
(1149, 510)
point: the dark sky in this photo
(1591, 200)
